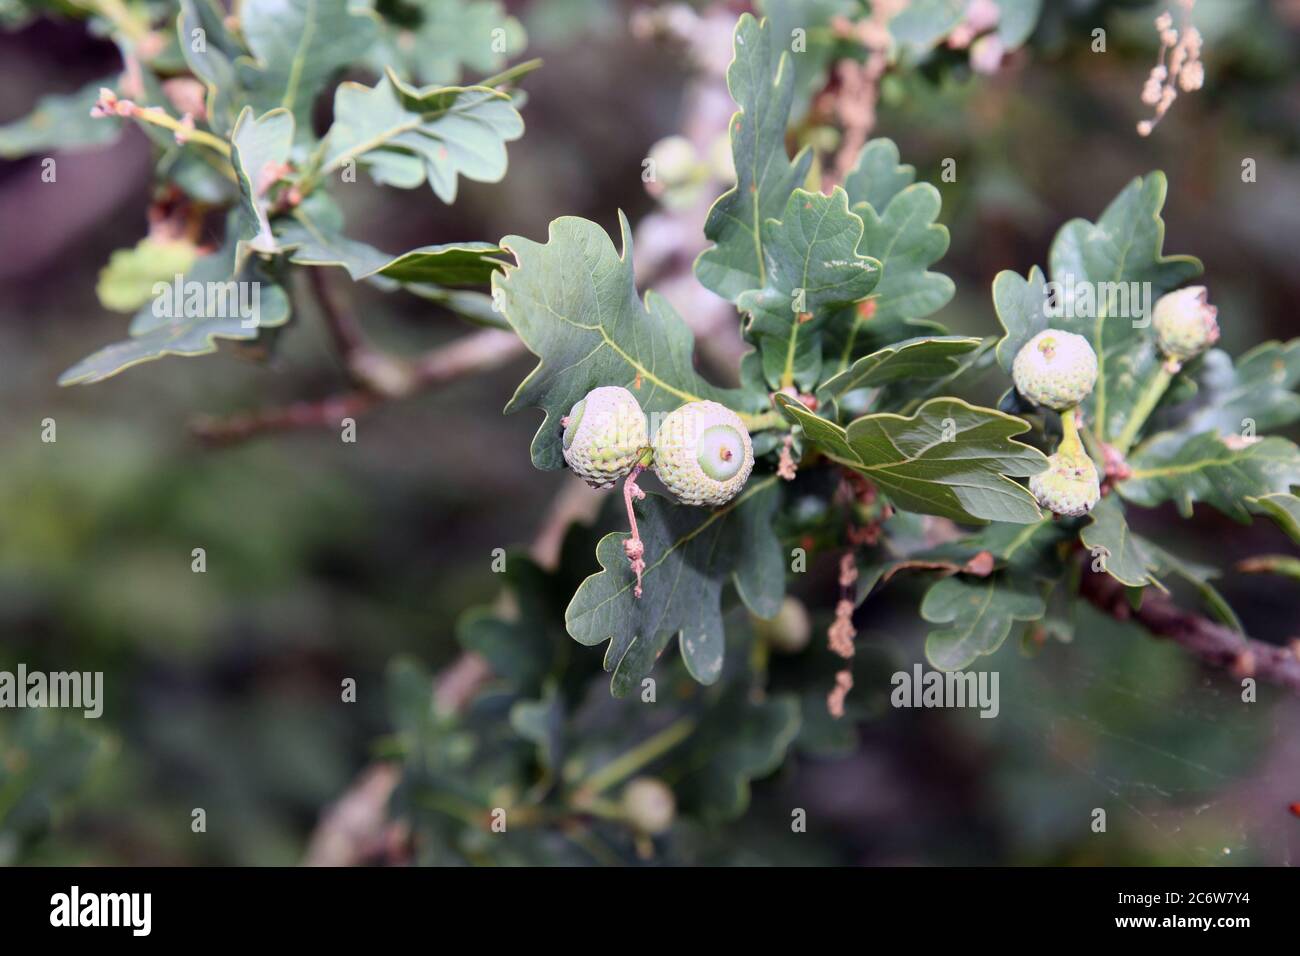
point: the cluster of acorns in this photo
(701, 452)
(1059, 369)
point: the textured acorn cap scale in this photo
(1054, 368)
(604, 436)
(1185, 322)
(703, 453)
(649, 805)
(1070, 486)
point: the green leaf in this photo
(905, 395)
(919, 359)
(259, 149)
(1119, 254)
(450, 36)
(212, 60)
(60, 121)
(761, 81)
(541, 722)
(476, 308)
(1282, 508)
(573, 302)
(1198, 576)
(1021, 305)
(201, 173)
(1172, 467)
(1115, 549)
(16, 14)
(519, 648)
(878, 176)
(923, 24)
(949, 459)
(1256, 394)
(208, 306)
(982, 612)
(813, 270)
(1025, 550)
(297, 47)
(1017, 21)
(1136, 561)
(313, 235)
(48, 759)
(821, 45)
(689, 553)
(906, 240)
(409, 693)
(738, 740)
(1124, 246)
(406, 136)
(128, 281)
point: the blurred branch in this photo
(384, 378)
(345, 332)
(1213, 643)
(380, 377)
(356, 829)
(576, 502)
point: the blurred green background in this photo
(325, 559)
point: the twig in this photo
(576, 502)
(478, 352)
(1214, 644)
(342, 326)
(110, 104)
(355, 828)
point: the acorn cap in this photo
(1069, 487)
(1055, 368)
(604, 435)
(703, 454)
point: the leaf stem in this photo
(119, 15)
(639, 756)
(1071, 446)
(1146, 404)
(158, 117)
(762, 421)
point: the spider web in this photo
(1186, 771)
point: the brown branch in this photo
(1212, 643)
(342, 326)
(355, 828)
(478, 352)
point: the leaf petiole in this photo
(639, 756)
(1071, 446)
(1146, 404)
(110, 104)
(763, 421)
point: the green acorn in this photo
(648, 805)
(790, 631)
(1054, 368)
(675, 161)
(702, 453)
(1070, 485)
(1186, 324)
(604, 435)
